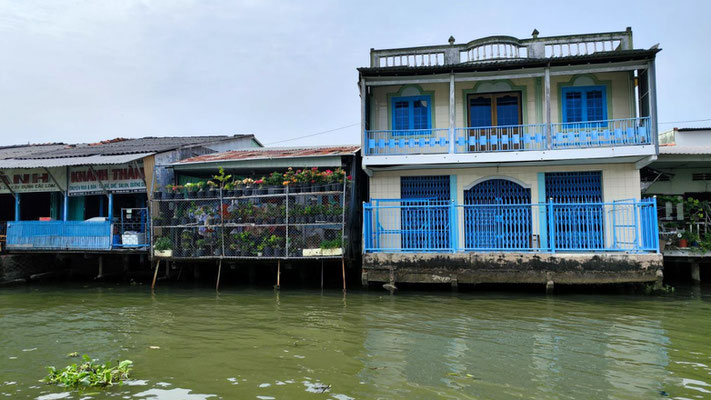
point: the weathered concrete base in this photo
(586, 268)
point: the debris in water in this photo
(154, 347)
(74, 354)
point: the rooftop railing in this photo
(502, 47)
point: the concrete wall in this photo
(620, 97)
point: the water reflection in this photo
(188, 344)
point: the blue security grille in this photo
(497, 215)
(425, 212)
(576, 227)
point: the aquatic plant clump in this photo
(89, 374)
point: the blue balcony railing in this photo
(59, 235)
(532, 137)
(425, 226)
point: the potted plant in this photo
(267, 249)
(191, 190)
(302, 180)
(200, 189)
(157, 194)
(221, 179)
(163, 247)
(687, 238)
(309, 217)
(201, 247)
(212, 189)
(186, 242)
(275, 183)
(290, 182)
(229, 190)
(178, 192)
(259, 188)
(247, 186)
(168, 191)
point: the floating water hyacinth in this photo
(89, 374)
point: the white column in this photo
(547, 104)
(451, 112)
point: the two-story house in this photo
(508, 160)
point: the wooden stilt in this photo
(321, 274)
(343, 270)
(278, 285)
(180, 272)
(101, 268)
(219, 271)
(155, 275)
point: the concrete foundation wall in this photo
(516, 268)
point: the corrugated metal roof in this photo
(71, 161)
(693, 129)
(25, 150)
(697, 150)
(494, 65)
(130, 146)
(272, 152)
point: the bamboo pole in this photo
(278, 273)
(155, 275)
(219, 271)
(321, 274)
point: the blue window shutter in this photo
(584, 103)
(410, 113)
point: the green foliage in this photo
(274, 179)
(163, 243)
(221, 177)
(201, 243)
(89, 374)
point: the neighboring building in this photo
(680, 178)
(272, 220)
(90, 197)
(510, 160)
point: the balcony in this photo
(430, 226)
(513, 138)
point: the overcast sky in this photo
(86, 70)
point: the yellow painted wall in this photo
(621, 101)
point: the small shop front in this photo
(76, 207)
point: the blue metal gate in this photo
(425, 227)
(492, 219)
(576, 227)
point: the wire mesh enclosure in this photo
(252, 222)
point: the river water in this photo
(260, 344)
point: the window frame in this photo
(411, 115)
(494, 96)
(583, 90)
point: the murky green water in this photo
(247, 344)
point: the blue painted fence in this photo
(627, 226)
(577, 135)
(59, 235)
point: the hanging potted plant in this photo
(163, 247)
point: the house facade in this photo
(510, 160)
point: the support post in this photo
(343, 270)
(17, 207)
(321, 274)
(111, 207)
(219, 271)
(155, 275)
(65, 207)
(652, 88)
(278, 285)
(363, 95)
(451, 113)
(549, 287)
(547, 103)
(101, 268)
(695, 272)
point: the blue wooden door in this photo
(425, 212)
(578, 224)
(497, 215)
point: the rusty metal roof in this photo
(272, 153)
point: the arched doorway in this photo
(497, 215)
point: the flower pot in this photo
(275, 190)
(683, 243)
(175, 221)
(157, 195)
(168, 195)
(305, 188)
(211, 193)
(217, 252)
(331, 252)
(268, 252)
(278, 252)
(247, 191)
(200, 253)
(178, 195)
(238, 192)
(294, 189)
(201, 194)
(311, 252)
(163, 253)
(261, 190)
(184, 221)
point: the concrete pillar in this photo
(65, 207)
(549, 287)
(695, 272)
